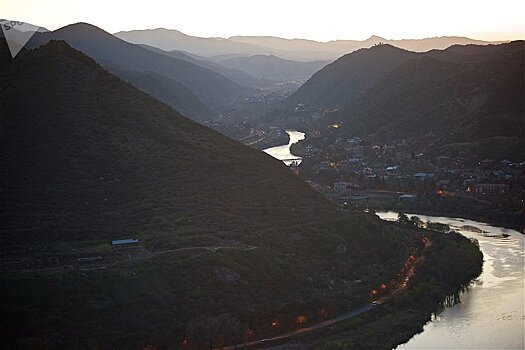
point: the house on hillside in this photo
(342, 187)
(491, 189)
(424, 176)
(408, 198)
(122, 243)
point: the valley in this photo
(162, 190)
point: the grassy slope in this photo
(87, 158)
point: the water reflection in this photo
(283, 152)
(491, 312)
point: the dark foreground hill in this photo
(86, 158)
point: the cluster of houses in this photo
(349, 169)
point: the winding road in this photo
(308, 329)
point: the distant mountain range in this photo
(180, 78)
(293, 49)
(465, 98)
(232, 73)
(87, 158)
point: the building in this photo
(424, 176)
(124, 242)
(342, 187)
(408, 198)
(491, 189)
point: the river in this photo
(283, 152)
(491, 313)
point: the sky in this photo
(318, 20)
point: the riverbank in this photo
(513, 225)
(475, 217)
(436, 284)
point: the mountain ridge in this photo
(294, 49)
(458, 96)
(210, 87)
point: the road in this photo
(308, 329)
(411, 263)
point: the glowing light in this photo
(301, 319)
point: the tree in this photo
(104, 249)
(403, 219)
(201, 332)
(416, 221)
(207, 331)
(438, 227)
(230, 330)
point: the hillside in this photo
(458, 96)
(168, 91)
(274, 68)
(210, 87)
(86, 158)
(233, 74)
(340, 82)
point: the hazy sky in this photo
(319, 20)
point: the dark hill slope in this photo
(210, 87)
(103, 144)
(168, 91)
(444, 101)
(87, 158)
(340, 82)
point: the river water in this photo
(491, 313)
(283, 152)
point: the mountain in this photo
(210, 87)
(342, 81)
(340, 47)
(232, 73)
(86, 158)
(462, 98)
(168, 91)
(292, 49)
(274, 68)
(165, 89)
(170, 39)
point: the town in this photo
(363, 174)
